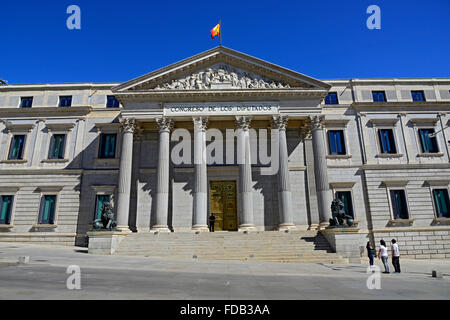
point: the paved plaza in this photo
(117, 277)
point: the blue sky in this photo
(324, 39)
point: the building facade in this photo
(258, 146)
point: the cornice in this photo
(44, 111)
(407, 104)
(228, 56)
(162, 94)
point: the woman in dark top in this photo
(370, 252)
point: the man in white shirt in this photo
(395, 256)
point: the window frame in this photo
(397, 185)
(9, 191)
(378, 92)
(22, 100)
(380, 147)
(330, 93)
(52, 139)
(343, 143)
(55, 129)
(426, 123)
(118, 102)
(101, 135)
(24, 147)
(43, 191)
(438, 184)
(18, 129)
(416, 91)
(63, 97)
(101, 190)
(421, 146)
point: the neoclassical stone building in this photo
(379, 145)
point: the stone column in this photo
(162, 174)
(126, 158)
(305, 134)
(321, 171)
(284, 183)
(246, 221)
(201, 184)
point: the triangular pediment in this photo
(220, 69)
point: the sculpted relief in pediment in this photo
(221, 76)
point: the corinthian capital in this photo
(164, 123)
(316, 122)
(128, 125)
(243, 122)
(279, 122)
(200, 123)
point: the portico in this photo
(246, 122)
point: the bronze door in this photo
(222, 205)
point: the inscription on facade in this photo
(188, 109)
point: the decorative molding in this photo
(348, 184)
(200, 123)
(279, 122)
(424, 121)
(19, 126)
(437, 182)
(221, 76)
(164, 123)
(317, 122)
(243, 122)
(336, 122)
(128, 125)
(384, 121)
(395, 182)
(60, 126)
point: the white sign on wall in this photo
(211, 109)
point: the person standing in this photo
(383, 254)
(370, 252)
(211, 221)
(395, 256)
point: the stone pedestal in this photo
(105, 242)
(345, 242)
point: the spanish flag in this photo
(215, 31)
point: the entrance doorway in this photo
(222, 204)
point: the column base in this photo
(125, 229)
(286, 227)
(323, 225)
(314, 226)
(201, 228)
(159, 228)
(247, 227)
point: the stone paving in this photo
(119, 277)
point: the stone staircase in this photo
(274, 246)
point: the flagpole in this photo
(220, 31)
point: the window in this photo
(346, 198)
(112, 102)
(428, 141)
(6, 203)
(101, 199)
(387, 142)
(65, 101)
(107, 147)
(17, 147)
(378, 96)
(26, 102)
(441, 203)
(47, 210)
(336, 142)
(57, 146)
(399, 206)
(418, 95)
(331, 98)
